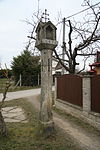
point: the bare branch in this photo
(90, 39)
(87, 54)
(83, 66)
(63, 65)
(2, 122)
(70, 39)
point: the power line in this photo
(79, 12)
(82, 11)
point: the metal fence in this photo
(69, 89)
(95, 93)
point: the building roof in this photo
(96, 64)
(92, 71)
(43, 24)
(58, 66)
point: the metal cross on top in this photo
(45, 16)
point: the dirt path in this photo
(84, 139)
(87, 140)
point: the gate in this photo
(95, 93)
(69, 89)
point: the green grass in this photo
(24, 137)
(13, 88)
(2, 82)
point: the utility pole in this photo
(63, 44)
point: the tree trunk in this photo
(3, 127)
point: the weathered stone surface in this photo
(86, 94)
(14, 114)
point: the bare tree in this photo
(83, 38)
(3, 127)
(36, 17)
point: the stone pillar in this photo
(86, 94)
(55, 92)
(46, 42)
(46, 86)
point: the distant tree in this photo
(28, 66)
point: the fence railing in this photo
(83, 91)
(69, 88)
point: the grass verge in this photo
(22, 136)
(86, 126)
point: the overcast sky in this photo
(13, 31)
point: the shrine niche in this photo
(45, 32)
(49, 32)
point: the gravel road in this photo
(21, 94)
